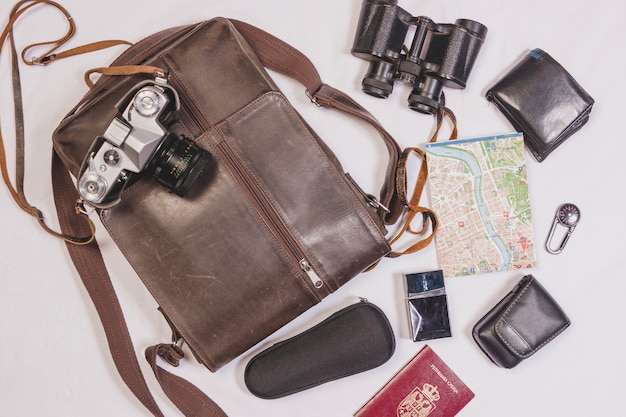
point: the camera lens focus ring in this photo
(178, 163)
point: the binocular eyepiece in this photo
(440, 54)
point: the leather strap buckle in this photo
(373, 201)
(313, 99)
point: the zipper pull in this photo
(315, 279)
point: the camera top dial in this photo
(148, 102)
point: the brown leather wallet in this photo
(523, 322)
(543, 101)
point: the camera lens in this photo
(178, 163)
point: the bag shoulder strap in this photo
(91, 267)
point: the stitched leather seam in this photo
(340, 175)
(503, 320)
(521, 338)
(218, 129)
(298, 119)
(186, 89)
(297, 272)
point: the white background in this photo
(54, 359)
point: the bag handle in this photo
(429, 217)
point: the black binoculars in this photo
(440, 54)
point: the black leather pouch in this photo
(352, 340)
(543, 101)
(523, 322)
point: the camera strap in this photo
(17, 191)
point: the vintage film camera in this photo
(136, 142)
(440, 54)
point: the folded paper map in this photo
(479, 191)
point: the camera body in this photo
(137, 142)
(440, 54)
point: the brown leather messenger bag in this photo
(250, 227)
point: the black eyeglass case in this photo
(543, 101)
(352, 340)
(524, 321)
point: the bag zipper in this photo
(251, 187)
(267, 211)
(313, 276)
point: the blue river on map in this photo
(469, 160)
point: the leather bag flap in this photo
(531, 321)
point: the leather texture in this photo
(523, 322)
(542, 100)
(275, 196)
(352, 340)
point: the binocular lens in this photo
(378, 81)
(425, 97)
(178, 163)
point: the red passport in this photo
(424, 387)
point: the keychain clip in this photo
(567, 215)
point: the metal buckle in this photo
(161, 76)
(313, 99)
(373, 201)
(83, 208)
(45, 60)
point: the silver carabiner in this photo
(567, 215)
